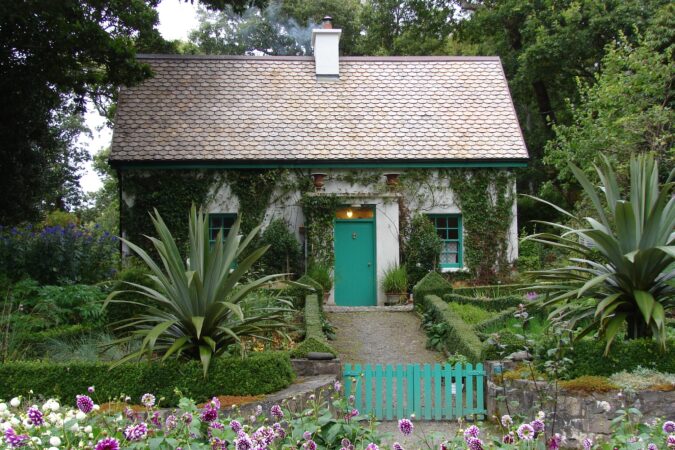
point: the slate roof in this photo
(273, 109)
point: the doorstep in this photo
(348, 309)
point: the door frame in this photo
(374, 225)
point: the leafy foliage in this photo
(260, 373)
(626, 108)
(283, 255)
(630, 282)
(197, 309)
(58, 254)
(485, 198)
(469, 313)
(321, 274)
(315, 339)
(395, 280)
(422, 249)
(319, 211)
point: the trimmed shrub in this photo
(260, 373)
(432, 284)
(460, 337)
(589, 384)
(315, 341)
(491, 304)
(626, 355)
(506, 343)
(284, 253)
(422, 249)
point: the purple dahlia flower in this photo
(277, 412)
(669, 426)
(15, 440)
(472, 432)
(406, 427)
(35, 416)
(473, 443)
(108, 444)
(136, 432)
(84, 403)
(526, 432)
(537, 425)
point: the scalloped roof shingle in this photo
(274, 109)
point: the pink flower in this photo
(526, 432)
(472, 432)
(84, 403)
(669, 426)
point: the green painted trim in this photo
(460, 242)
(322, 165)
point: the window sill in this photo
(454, 269)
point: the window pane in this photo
(452, 222)
(216, 222)
(442, 233)
(450, 247)
(448, 258)
(441, 222)
(453, 234)
(228, 222)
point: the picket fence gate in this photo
(430, 392)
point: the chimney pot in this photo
(327, 23)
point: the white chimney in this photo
(326, 45)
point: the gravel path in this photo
(380, 338)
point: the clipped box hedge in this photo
(490, 304)
(588, 358)
(433, 283)
(260, 373)
(460, 337)
(315, 340)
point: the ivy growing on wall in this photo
(485, 199)
(171, 192)
(319, 213)
(254, 190)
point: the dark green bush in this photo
(315, 340)
(136, 274)
(260, 373)
(491, 304)
(58, 254)
(34, 342)
(460, 337)
(284, 253)
(502, 345)
(321, 274)
(422, 249)
(587, 357)
(433, 283)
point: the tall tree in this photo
(54, 56)
(281, 28)
(406, 27)
(628, 108)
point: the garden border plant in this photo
(259, 373)
(315, 340)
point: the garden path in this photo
(380, 337)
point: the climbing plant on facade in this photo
(254, 190)
(319, 213)
(486, 199)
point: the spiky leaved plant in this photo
(198, 307)
(626, 281)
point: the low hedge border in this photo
(490, 304)
(260, 373)
(588, 358)
(433, 283)
(315, 340)
(498, 320)
(460, 336)
(489, 291)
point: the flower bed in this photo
(25, 424)
(260, 373)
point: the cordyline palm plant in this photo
(626, 282)
(196, 309)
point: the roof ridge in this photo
(311, 58)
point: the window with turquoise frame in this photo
(449, 229)
(219, 222)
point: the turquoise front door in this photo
(355, 263)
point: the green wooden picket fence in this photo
(431, 392)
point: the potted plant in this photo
(395, 284)
(321, 274)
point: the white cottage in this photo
(382, 137)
